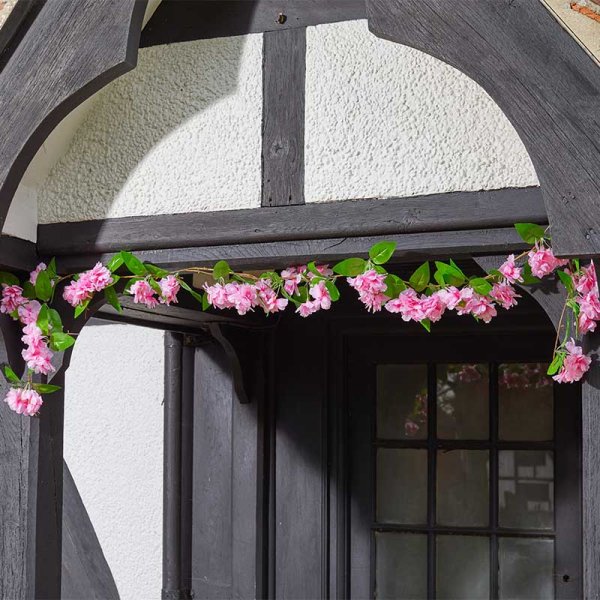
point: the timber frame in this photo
(540, 77)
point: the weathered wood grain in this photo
(352, 218)
(545, 83)
(72, 49)
(284, 61)
(186, 20)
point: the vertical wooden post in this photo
(172, 587)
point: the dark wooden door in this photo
(463, 469)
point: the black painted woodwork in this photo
(350, 218)
(544, 82)
(41, 82)
(186, 20)
(284, 68)
(17, 254)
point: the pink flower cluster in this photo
(542, 261)
(36, 354)
(12, 298)
(24, 401)
(144, 293)
(586, 285)
(370, 287)
(575, 365)
(89, 282)
(244, 297)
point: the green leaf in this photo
(290, 298)
(448, 274)
(530, 232)
(221, 270)
(205, 302)
(313, 269)
(481, 285)
(134, 264)
(51, 268)
(350, 267)
(61, 341)
(426, 324)
(154, 285)
(81, 308)
(567, 280)
(43, 319)
(420, 278)
(382, 252)
(272, 276)
(43, 286)
(557, 363)
(192, 292)
(394, 286)
(333, 291)
(10, 375)
(8, 278)
(113, 299)
(29, 290)
(155, 271)
(528, 278)
(46, 388)
(54, 320)
(302, 294)
(115, 263)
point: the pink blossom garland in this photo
(311, 288)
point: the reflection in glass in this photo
(525, 402)
(462, 401)
(463, 567)
(402, 401)
(526, 489)
(526, 568)
(462, 487)
(401, 486)
(400, 566)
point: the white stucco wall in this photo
(387, 120)
(114, 446)
(179, 133)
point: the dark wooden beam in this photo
(437, 212)
(410, 247)
(284, 69)
(71, 50)
(17, 254)
(186, 20)
(15, 27)
(544, 82)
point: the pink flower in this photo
(587, 281)
(32, 335)
(323, 270)
(24, 401)
(370, 287)
(28, 313)
(169, 287)
(408, 304)
(575, 365)
(292, 276)
(12, 298)
(480, 307)
(450, 296)
(78, 291)
(241, 296)
(510, 271)
(38, 357)
(542, 261)
(504, 294)
(589, 312)
(410, 428)
(433, 307)
(97, 278)
(217, 295)
(34, 274)
(267, 297)
(308, 308)
(143, 293)
(585, 324)
(321, 295)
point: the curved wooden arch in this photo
(73, 48)
(543, 81)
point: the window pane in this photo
(402, 401)
(401, 486)
(401, 566)
(526, 407)
(462, 402)
(463, 567)
(462, 487)
(526, 489)
(526, 569)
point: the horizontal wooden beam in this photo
(187, 20)
(262, 255)
(17, 254)
(437, 212)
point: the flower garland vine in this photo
(310, 288)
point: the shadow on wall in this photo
(155, 135)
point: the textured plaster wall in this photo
(114, 445)
(386, 120)
(179, 133)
